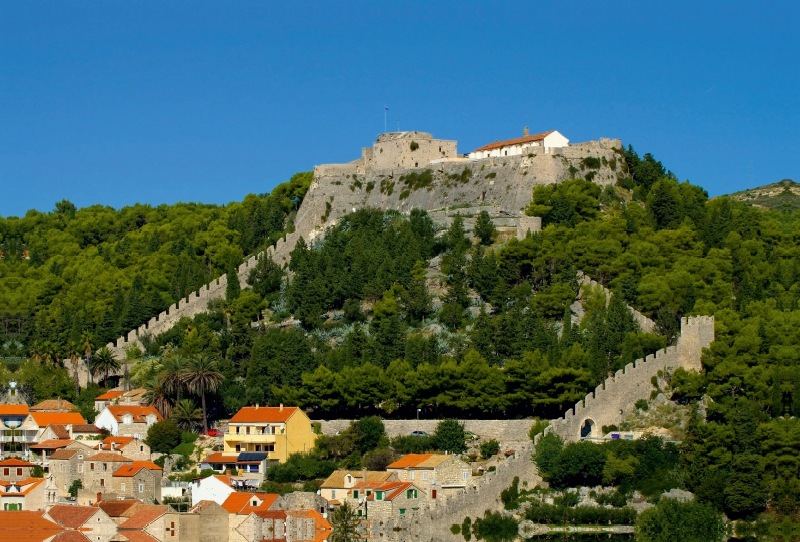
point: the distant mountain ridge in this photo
(780, 196)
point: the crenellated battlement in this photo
(615, 397)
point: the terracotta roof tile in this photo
(71, 536)
(85, 428)
(219, 457)
(336, 479)
(419, 461)
(139, 536)
(114, 443)
(241, 503)
(54, 404)
(59, 430)
(26, 526)
(516, 141)
(64, 454)
(43, 419)
(136, 466)
(71, 516)
(263, 414)
(51, 444)
(139, 413)
(143, 516)
(109, 395)
(14, 410)
(117, 509)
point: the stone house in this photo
(85, 431)
(99, 469)
(139, 480)
(537, 144)
(127, 420)
(213, 521)
(381, 501)
(161, 523)
(306, 525)
(108, 398)
(434, 473)
(118, 510)
(130, 447)
(276, 432)
(335, 487)
(27, 494)
(243, 503)
(66, 466)
(13, 470)
(214, 488)
(91, 521)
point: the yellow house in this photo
(278, 431)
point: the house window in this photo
(255, 503)
(141, 448)
(379, 495)
(80, 467)
(102, 482)
(237, 429)
(19, 472)
(411, 475)
(6, 472)
(355, 493)
(247, 430)
(433, 493)
(402, 511)
(105, 466)
(269, 447)
(424, 475)
(465, 475)
(258, 447)
(63, 467)
(333, 493)
(141, 488)
(238, 447)
(359, 512)
(91, 466)
(121, 488)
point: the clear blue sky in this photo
(158, 102)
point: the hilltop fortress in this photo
(408, 170)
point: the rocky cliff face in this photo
(502, 186)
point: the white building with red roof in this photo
(215, 488)
(108, 398)
(527, 144)
(127, 420)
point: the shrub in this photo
(590, 162)
(407, 444)
(450, 436)
(205, 473)
(489, 448)
(455, 528)
(672, 520)
(379, 459)
(414, 146)
(74, 487)
(510, 496)
(538, 427)
(494, 526)
(300, 467)
(569, 499)
(370, 433)
(163, 436)
(641, 404)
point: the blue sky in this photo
(157, 102)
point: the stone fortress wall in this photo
(503, 186)
(615, 397)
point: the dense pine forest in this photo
(389, 313)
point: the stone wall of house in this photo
(300, 500)
(66, 471)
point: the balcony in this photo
(28, 437)
(252, 438)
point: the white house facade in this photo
(215, 488)
(527, 144)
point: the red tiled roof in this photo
(85, 428)
(109, 456)
(224, 478)
(59, 430)
(241, 503)
(24, 486)
(136, 466)
(63, 453)
(421, 461)
(119, 442)
(26, 526)
(71, 536)
(14, 410)
(15, 463)
(43, 419)
(54, 404)
(392, 489)
(143, 516)
(109, 395)
(139, 536)
(139, 413)
(219, 457)
(517, 141)
(116, 509)
(51, 444)
(263, 414)
(71, 516)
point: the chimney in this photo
(281, 410)
(526, 132)
(59, 403)
(99, 496)
(364, 474)
(227, 472)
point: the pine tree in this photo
(484, 228)
(232, 288)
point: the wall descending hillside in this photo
(502, 186)
(615, 397)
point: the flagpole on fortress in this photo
(385, 109)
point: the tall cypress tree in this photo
(232, 288)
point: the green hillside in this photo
(780, 196)
(393, 315)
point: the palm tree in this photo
(172, 375)
(105, 362)
(157, 397)
(186, 415)
(202, 376)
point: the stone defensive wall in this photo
(615, 397)
(503, 185)
(645, 323)
(508, 432)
